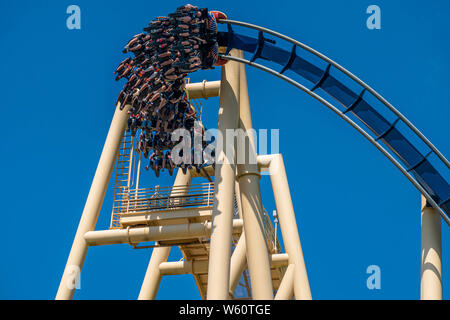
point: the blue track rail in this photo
(414, 164)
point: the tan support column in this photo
(93, 204)
(238, 263)
(288, 225)
(152, 278)
(239, 258)
(431, 255)
(225, 173)
(286, 289)
(252, 210)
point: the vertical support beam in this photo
(248, 178)
(237, 194)
(239, 258)
(238, 263)
(225, 173)
(431, 253)
(152, 278)
(93, 204)
(286, 289)
(288, 226)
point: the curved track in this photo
(382, 133)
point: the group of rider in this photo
(162, 159)
(169, 49)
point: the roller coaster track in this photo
(414, 164)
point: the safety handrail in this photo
(163, 198)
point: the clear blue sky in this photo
(354, 209)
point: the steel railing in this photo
(144, 200)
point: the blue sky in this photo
(354, 209)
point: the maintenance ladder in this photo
(123, 182)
